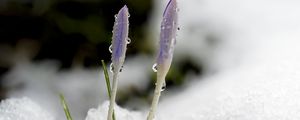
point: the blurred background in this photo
(55, 46)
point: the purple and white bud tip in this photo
(120, 39)
(169, 27)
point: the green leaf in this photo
(66, 108)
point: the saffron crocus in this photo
(118, 48)
(167, 42)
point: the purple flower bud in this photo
(165, 55)
(120, 38)
(169, 28)
(118, 49)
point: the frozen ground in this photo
(251, 59)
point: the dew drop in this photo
(110, 48)
(163, 27)
(154, 67)
(164, 86)
(111, 68)
(116, 16)
(121, 69)
(128, 40)
(128, 15)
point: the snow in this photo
(260, 92)
(256, 61)
(22, 109)
(121, 114)
(42, 82)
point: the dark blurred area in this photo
(77, 33)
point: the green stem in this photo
(66, 108)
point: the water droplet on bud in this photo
(154, 67)
(121, 69)
(164, 86)
(128, 40)
(128, 15)
(111, 68)
(110, 48)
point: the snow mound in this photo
(265, 92)
(121, 114)
(257, 62)
(22, 109)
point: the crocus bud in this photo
(169, 27)
(118, 49)
(167, 42)
(120, 39)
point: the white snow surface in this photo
(82, 88)
(257, 62)
(23, 109)
(262, 92)
(121, 114)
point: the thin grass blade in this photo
(65, 106)
(107, 83)
(106, 78)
